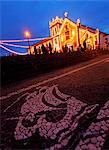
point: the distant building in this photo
(73, 34)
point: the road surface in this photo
(63, 109)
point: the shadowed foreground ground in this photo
(71, 112)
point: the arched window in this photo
(67, 32)
(66, 27)
(53, 32)
(67, 35)
(56, 30)
(55, 41)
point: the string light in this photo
(9, 50)
(25, 40)
(27, 34)
(4, 42)
(14, 45)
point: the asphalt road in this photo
(83, 85)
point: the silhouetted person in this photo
(44, 50)
(35, 50)
(72, 48)
(50, 48)
(84, 44)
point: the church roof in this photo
(86, 27)
(42, 41)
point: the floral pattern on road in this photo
(62, 119)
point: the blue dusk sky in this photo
(33, 15)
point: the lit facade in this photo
(73, 34)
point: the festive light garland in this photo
(4, 42)
(25, 40)
(14, 45)
(18, 53)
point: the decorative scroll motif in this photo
(65, 121)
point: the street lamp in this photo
(28, 35)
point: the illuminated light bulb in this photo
(62, 39)
(57, 17)
(73, 33)
(27, 34)
(61, 19)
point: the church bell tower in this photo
(54, 26)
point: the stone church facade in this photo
(73, 34)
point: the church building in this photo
(72, 34)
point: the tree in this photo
(44, 50)
(50, 48)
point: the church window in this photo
(55, 41)
(55, 30)
(66, 27)
(67, 32)
(67, 35)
